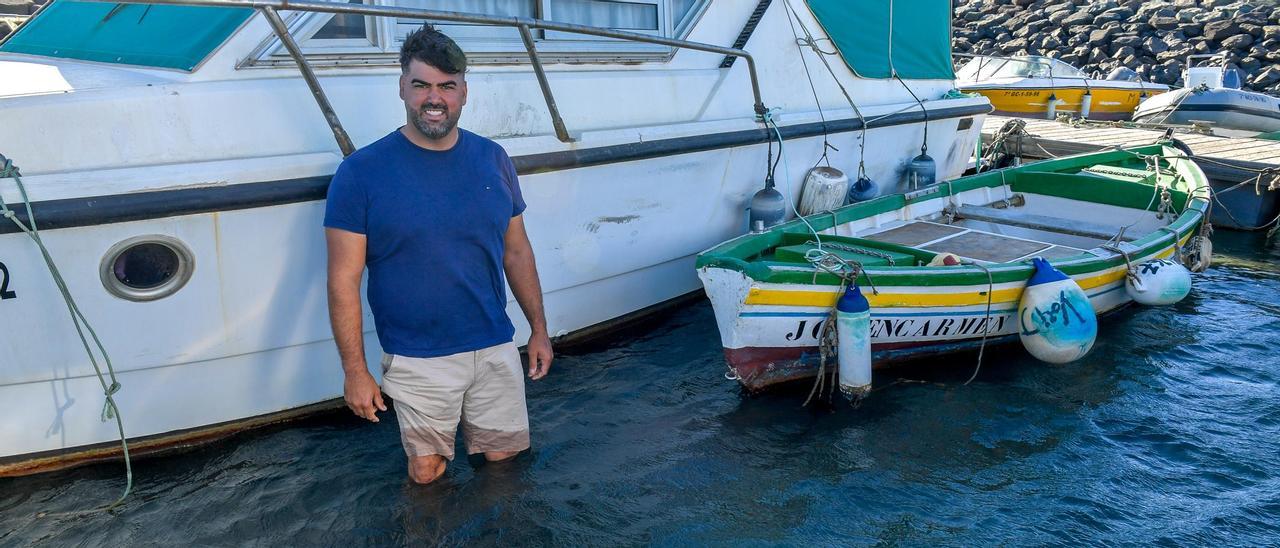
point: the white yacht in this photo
(176, 155)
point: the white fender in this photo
(853, 343)
(1158, 282)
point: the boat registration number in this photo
(5, 292)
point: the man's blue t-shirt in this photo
(434, 223)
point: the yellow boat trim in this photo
(784, 297)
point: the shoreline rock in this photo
(1151, 37)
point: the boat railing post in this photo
(282, 31)
(556, 120)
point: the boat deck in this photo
(1050, 138)
(984, 241)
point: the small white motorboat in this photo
(1212, 94)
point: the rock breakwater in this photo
(1152, 37)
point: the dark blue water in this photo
(1167, 433)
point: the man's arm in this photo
(346, 265)
(522, 275)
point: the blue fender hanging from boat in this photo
(1055, 320)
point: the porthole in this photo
(146, 268)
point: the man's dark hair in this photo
(432, 47)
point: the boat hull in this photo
(1232, 112)
(772, 343)
(1032, 102)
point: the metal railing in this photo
(269, 10)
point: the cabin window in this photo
(341, 38)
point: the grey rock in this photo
(1189, 15)
(1164, 23)
(1122, 52)
(1123, 39)
(1154, 9)
(1155, 45)
(1101, 37)
(1239, 41)
(15, 7)
(1057, 17)
(1220, 30)
(1250, 64)
(1191, 29)
(1266, 78)
(1107, 18)
(1057, 6)
(1251, 29)
(973, 15)
(1023, 2)
(1078, 18)
(1271, 32)
(1201, 47)
(1014, 45)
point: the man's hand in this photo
(540, 355)
(363, 395)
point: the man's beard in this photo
(435, 130)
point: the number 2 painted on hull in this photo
(4, 284)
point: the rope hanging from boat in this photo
(812, 43)
(109, 409)
(986, 321)
(827, 344)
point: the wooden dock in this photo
(1227, 160)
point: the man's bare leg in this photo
(499, 456)
(424, 470)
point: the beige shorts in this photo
(482, 389)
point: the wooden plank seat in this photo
(1046, 223)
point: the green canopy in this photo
(178, 37)
(877, 38)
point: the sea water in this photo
(1168, 432)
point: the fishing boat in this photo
(944, 267)
(1033, 86)
(1212, 94)
(176, 159)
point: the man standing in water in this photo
(435, 213)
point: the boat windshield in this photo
(980, 68)
(173, 37)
